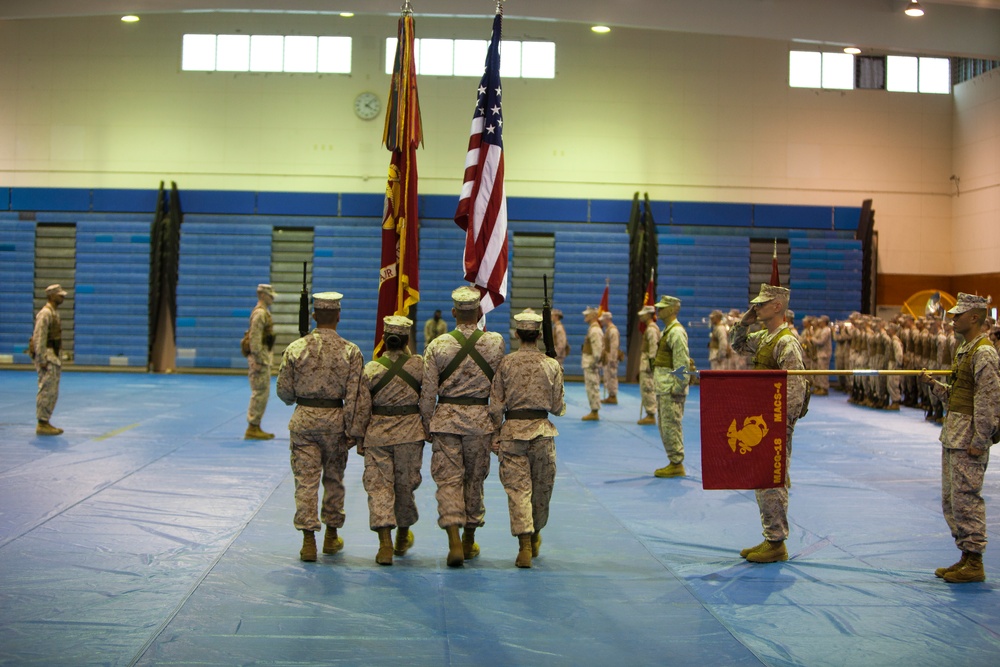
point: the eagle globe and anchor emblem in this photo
(746, 438)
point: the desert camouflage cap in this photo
(327, 300)
(968, 302)
(266, 289)
(528, 320)
(770, 293)
(667, 301)
(465, 298)
(606, 315)
(590, 310)
(397, 324)
(647, 310)
(55, 289)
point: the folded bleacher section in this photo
(17, 271)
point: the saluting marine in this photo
(320, 374)
(390, 435)
(260, 337)
(528, 386)
(46, 343)
(458, 371)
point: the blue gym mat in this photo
(151, 533)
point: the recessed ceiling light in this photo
(914, 9)
(853, 50)
(601, 29)
(131, 18)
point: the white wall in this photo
(93, 102)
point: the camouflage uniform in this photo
(593, 346)
(787, 355)
(47, 339)
(460, 432)
(259, 362)
(894, 361)
(319, 368)
(822, 341)
(393, 435)
(612, 345)
(671, 391)
(971, 418)
(560, 341)
(527, 380)
(650, 340)
(434, 328)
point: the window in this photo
(842, 71)
(466, 57)
(808, 69)
(266, 53)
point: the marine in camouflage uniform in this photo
(894, 361)
(969, 430)
(559, 339)
(320, 374)
(719, 349)
(650, 340)
(528, 386)
(774, 347)
(390, 435)
(671, 390)
(822, 340)
(612, 357)
(259, 360)
(458, 372)
(591, 361)
(434, 327)
(46, 341)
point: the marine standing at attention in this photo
(559, 339)
(650, 341)
(612, 357)
(320, 374)
(528, 386)
(671, 389)
(261, 339)
(46, 343)
(774, 347)
(591, 361)
(458, 371)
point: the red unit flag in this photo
(743, 429)
(603, 306)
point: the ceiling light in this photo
(131, 18)
(601, 29)
(914, 9)
(346, 15)
(853, 50)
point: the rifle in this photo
(550, 345)
(304, 304)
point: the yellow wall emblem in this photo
(753, 431)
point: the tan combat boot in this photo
(749, 550)
(536, 544)
(456, 556)
(610, 400)
(469, 547)
(45, 428)
(591, 416)
(308, 552)
(523, 550)
(941, 571)
(331, 542)
(384, 555)
(672, 470)
(772, 553)
(648, 420)
(253, 432)
(404, 540)
(969, 573)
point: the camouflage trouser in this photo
(528, 472)
(962, 497)
(48, 390)
(611, 377)
(670, 413)
(773, 503)
(317, 456)
(260, 388)
(648, 391)
(822, 381)
(391, 476)
(592, 381)
(894, 385)
(460, 465)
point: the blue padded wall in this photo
(347, 254)
(825, 276)
(586, 254)
(706, 273)
(222, 260)
(17, 272)
(111, 325)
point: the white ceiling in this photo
(950, 27)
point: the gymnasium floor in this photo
(150, 533)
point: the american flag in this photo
(482, 208)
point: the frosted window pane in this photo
(436, 57)
(510, 59)
(538, 60)
(266, 53)
(804, 69)
(901, 74)
(300, 53)
(198, 53)
(335, 55)
(838, 71)
(470, 57)
(935, 75)
(232, 53)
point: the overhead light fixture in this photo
(346, 15)
(130, 18)
(853, 50)
(601, 29)
(914, 9)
